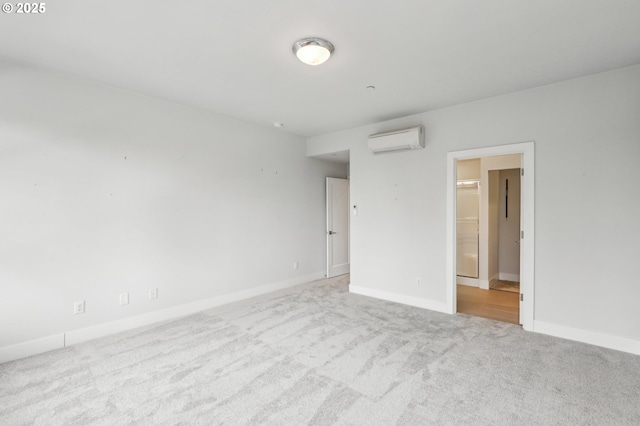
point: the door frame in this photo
(527, 244)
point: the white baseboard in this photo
(401, 298)
(33, 347)
(617, 343)
(504, 276)
(471, 282)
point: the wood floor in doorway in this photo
(492, 304)
(512, 286)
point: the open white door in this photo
(337, 227)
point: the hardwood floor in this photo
(512, 286)
(492, 304)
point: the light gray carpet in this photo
(318, 355)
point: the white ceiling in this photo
(234, 56)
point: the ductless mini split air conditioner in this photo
(398, 140)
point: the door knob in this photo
(331, 232)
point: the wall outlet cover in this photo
(153, 293)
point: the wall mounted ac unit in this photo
(412, 138)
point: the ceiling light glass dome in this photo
(313, 50)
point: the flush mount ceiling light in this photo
(313, 50)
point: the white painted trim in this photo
(418, 302)
(617, 343)
(505, 276)
(470, 282)
(450, 233)
(31, 347)
(527, 261)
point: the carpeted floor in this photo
(315, 354)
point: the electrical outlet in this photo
(78, 307)
(295, 265)
(418, 280)
(153, 293)
(124, 298)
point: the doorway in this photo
(338, 222)
(479, 290)
(488, 265)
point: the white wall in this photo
(468, 169)
(104, 191)
(587, 136)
